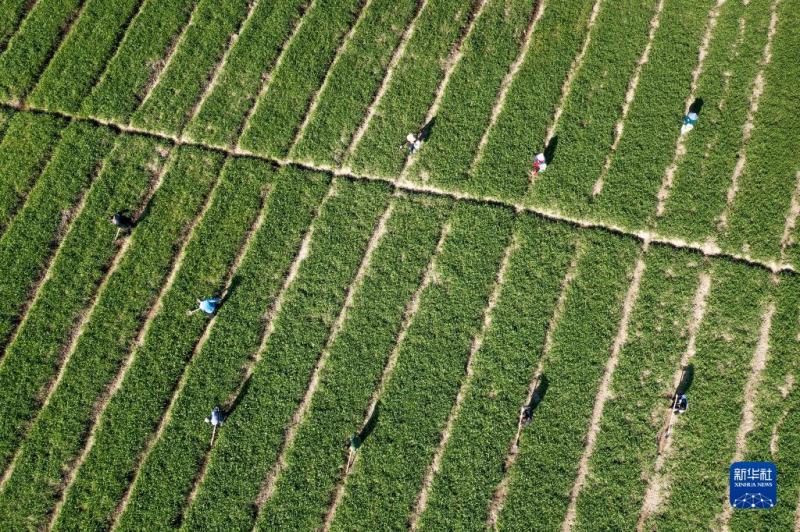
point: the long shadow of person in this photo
(550, 150)
(697, 106)
(427, 129)
(230, 409)
(687, 377)
(536, 399)
(369, 427)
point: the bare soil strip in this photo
(67, 223)
(757, 365)
(759, 84)
(165, 419)
(119, 46)
(408, 318)
(268, 487)
(680, 144)
(785, 390)
(477, 343)
(604, 393)
(161, 66)
(317, 96)
(630, 94)
(398, 54)
(103, 402)
(452, 61)
(573, 71)
(501, 492)
(267, 77)
(500, 103)
(708, 249)
(791, 219)
(214, 77)
(269, 320)
(658, 483)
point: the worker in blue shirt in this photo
(209, 305)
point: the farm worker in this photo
(689, 121)
(355, 442)
(680, 404)
(527, 415)
(122, 223)
(209, 306)
(539, 165)
(216, 418)
(413, 143)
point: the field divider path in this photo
(680, 145)
(218, 68)
(69, 349)
(477, 342)
(36, 289)
(103, 402)
(657, 483)
(452, 62)
(388, 370)
(166, 417)
(604, 392)
(269, 319)
(268, 487)
(314, 103)
(791, 218)
(747, 129)
(268, 77)
(501, 491)
(505, 85)
(630, 94)
(163, 66)
(376, 100)
(748, 423)
(705, 248)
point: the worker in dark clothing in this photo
(527, 415)
(680, 403)
(122, 222)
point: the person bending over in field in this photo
(539, 165)
(209, 305)
(123, 223)
(413, 143)
(216, 418)
(680, 403)
(689, 121)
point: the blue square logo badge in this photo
(754, 485)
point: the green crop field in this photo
(432, 339)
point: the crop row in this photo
(80, 59)
(466, 106)
(180, 86)
(534, 94)
(35, 355)
(166, 478)
(382, 489)
(30, 241)
(279, 113)
(704, 441)
(357, 73)
(645, 149)
(138, 59)
(642, 386)
(357, 358)
(248, 444)
(584, 132)
(26, 147)
(412, 89)
(30, 49)
(703, 174)
(759, 211)
(776, 435)
(221, 118)
(106, 339)
(133, 413)
(12, 12)
(472, 465)
(551, 446)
